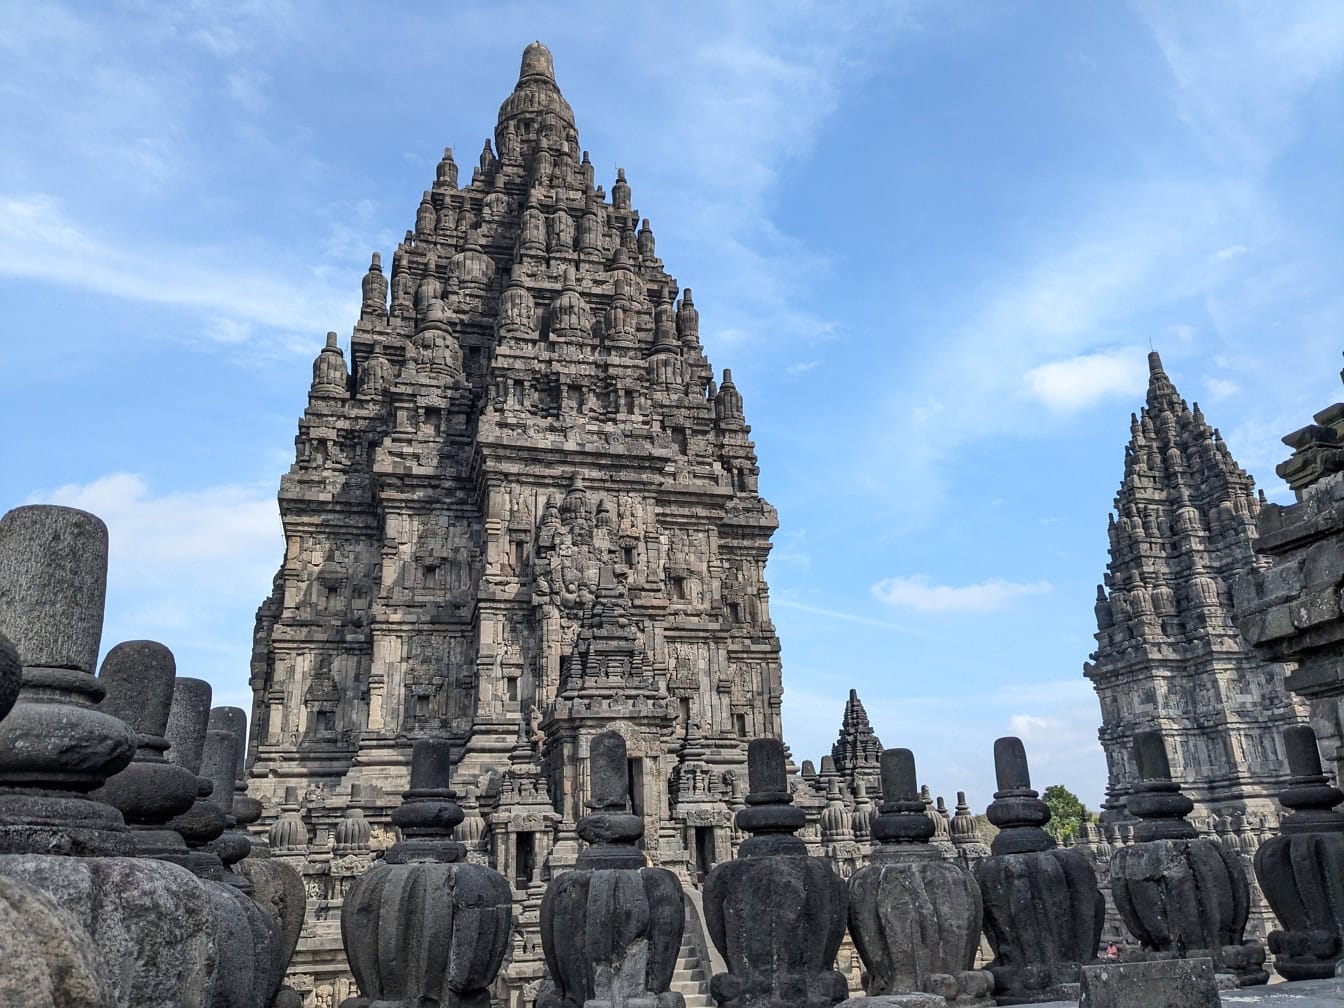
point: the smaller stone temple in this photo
(1169, 656)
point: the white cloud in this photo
(187, 567)
(801, 368)
(1076, 383)
(224, 537)
(920, 594)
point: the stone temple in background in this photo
(1169, 657)
(523, 513)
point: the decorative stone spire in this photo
(536, 111)
(688, 320)
(776, 915)
(1039, 941)
(620, 191)
(914, 916)
(468, 922)
(857, 749)
(728, 404)
(1181, 532)
(374, 291)
(1302, 871)
(632, 962)
(1177, 893)
(446, 173)
(329, 375)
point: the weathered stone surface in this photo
(277, 887)
(612, 928)
(776, 915)
(1178, 893)
(47, 960)
(1043, 913)
(11, 675)
(53, 583)
(457, 915)
(914, 916)
(1302, 871)
(151, 923)
(1167, 983)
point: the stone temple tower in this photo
(1168, 654)
(524, 513)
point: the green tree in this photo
(1066, 812)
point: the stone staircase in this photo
(691, 979)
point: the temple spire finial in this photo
(537, 62)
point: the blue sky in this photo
(932, 240)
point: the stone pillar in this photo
(1043, 913)
(776, 915)
(611, 928)
(1302, 871)
(915, 915)
(461, 932)
(1181, 894)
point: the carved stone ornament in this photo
(456, 915)
(630, 916)
(914, 915)
(1302, 870)
(775, 914)
(1178, 893)
(1043, 913)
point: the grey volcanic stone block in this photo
(53, 583)
(1167, 983)
(11, 674)
(47, 958)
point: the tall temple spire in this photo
(481, 534)
(1169, 657)
(536, 110)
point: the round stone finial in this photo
(219, 756)
(537, 61)
(898, 776)
(53, 585)
(232, 719)
(1150, 756)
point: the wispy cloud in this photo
(922, 595)
(845, 617)
(1076, 383)
(39, 240)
